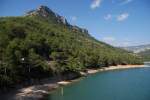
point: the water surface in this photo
(128, 84)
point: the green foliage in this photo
(32, 47)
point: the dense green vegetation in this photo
(145, 55)
(32, 48)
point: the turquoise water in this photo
(129, 84)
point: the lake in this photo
(127, 84)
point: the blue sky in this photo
(117, 22)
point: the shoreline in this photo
(117, 67)
(37, 92)
(94, 71)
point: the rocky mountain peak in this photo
(43, 11)
(47, 13)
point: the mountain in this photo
(141, 50)
(46, 13)
(43, 44)
(137, 49)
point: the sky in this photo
(117, 22)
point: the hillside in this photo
(43, 44)
(145, 54)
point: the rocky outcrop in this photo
(42, 11)
(61, 19)
(45, 12)
(78, 29)
(36, 92)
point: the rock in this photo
(76, 28)
(84, 30)
(36, 92)
(62, 19)
(44, 11)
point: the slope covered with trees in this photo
(42, 44)
(145, 55)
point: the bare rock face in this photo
(84, 30)
(61, 19)
(42, 11)
(46, 13)
(76, 28)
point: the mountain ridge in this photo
(137, 49)
(45, 12)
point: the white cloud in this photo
(109, 39)
(126, 2)
(95, 4)
(108, 17)
(122, 17)
(73, 18)
(116, 42)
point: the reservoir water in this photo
(128, 84)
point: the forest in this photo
(33, 47)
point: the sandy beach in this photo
(118, 67)
(37, 92)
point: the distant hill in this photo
(137, 49)
(43, 44)
(145, 54)
(141, 50)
